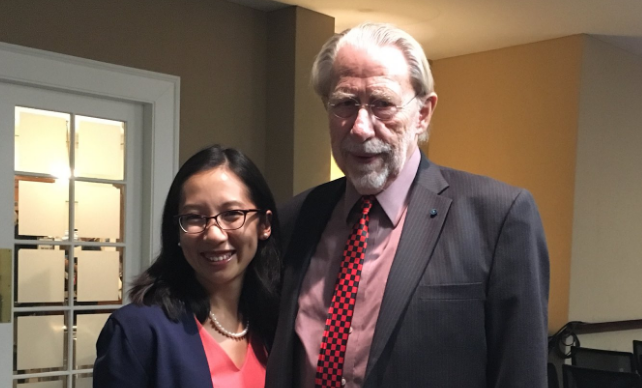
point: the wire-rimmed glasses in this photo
(227, 220)
(381, 109)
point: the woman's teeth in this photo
(214, 258)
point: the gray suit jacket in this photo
(465, 305)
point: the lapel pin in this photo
(433, 213)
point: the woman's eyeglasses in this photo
(227, 220)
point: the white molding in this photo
(159, 93)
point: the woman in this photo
(204, 313)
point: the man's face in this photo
(371, 151)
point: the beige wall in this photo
(281, 64)
(606, 271)
(311, 134)
(298, 142)
(512, 114)
(216, 47)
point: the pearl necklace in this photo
(227, 333)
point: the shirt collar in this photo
(389, 198)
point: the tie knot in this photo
(366, 203)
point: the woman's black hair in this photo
(170, 281)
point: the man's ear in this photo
(265, 227)
(426, 111)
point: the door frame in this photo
(159, 94)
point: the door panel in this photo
(70, 168)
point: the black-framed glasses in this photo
(227, 220)
(381, 109)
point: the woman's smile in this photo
(219, 256)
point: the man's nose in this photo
(363, 127)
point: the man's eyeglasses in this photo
(227, 220)
(381, 109)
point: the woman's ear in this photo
(265, 227)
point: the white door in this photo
(71, 168)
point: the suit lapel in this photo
(311, 221)
(195, 357)
(420, 234)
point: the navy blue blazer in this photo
(140, 347)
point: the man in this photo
(452, 288)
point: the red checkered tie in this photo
(337, 325)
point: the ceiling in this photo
(448, 28)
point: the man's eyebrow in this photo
(339, 94)
(379, 92)
(383, 93)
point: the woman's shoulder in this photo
(137, 318)
(132, 313)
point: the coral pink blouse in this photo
(225, 373)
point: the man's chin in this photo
(368, 184)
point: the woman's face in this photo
(220, 257)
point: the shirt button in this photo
(343, 382)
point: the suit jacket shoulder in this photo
(327, 194)
(489, 199)
(466, 184)
(141, 347)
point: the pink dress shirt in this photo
(223, 370)
(386, 223)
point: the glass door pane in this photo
(100, 148)
(49, 332)
(99, 211)
(42, 141)
(42, 207)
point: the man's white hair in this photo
(379, 35)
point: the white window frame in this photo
(159, 94)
